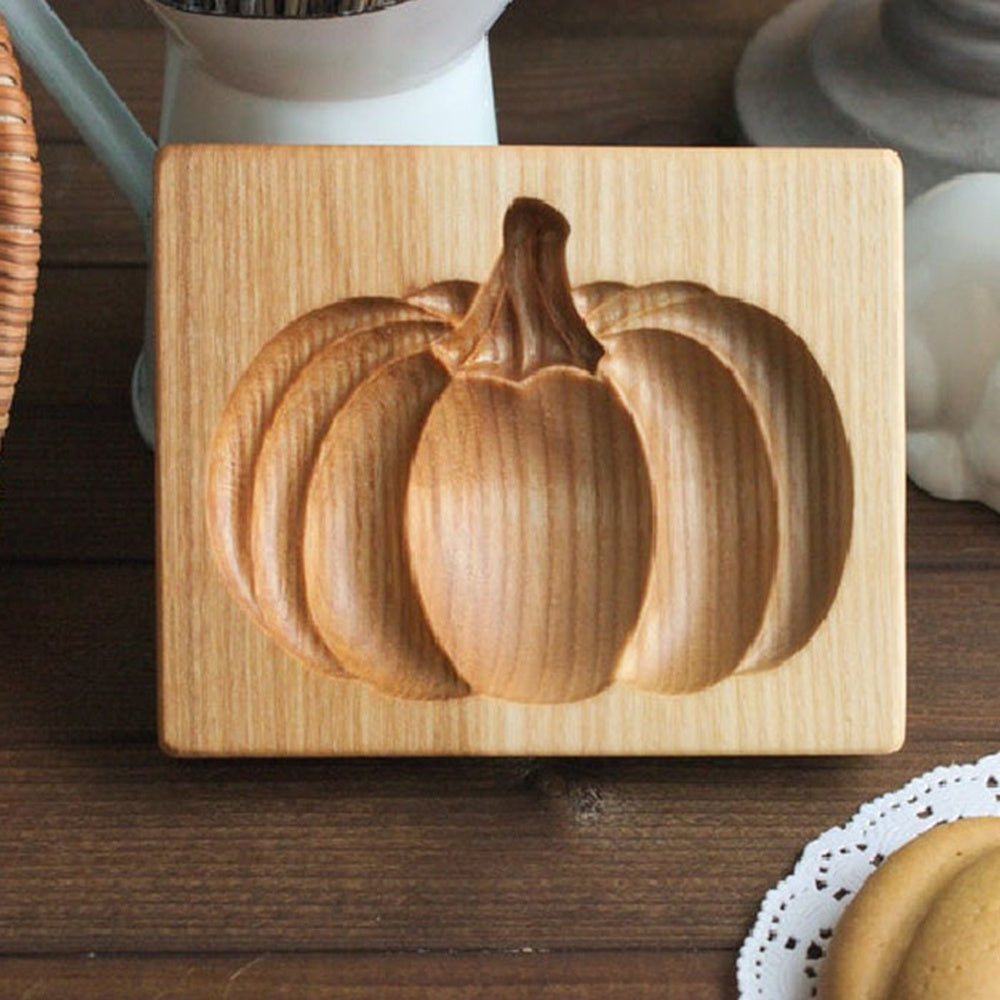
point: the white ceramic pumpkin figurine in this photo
(953, 339)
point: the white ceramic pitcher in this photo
(414, 73)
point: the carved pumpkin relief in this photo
(530, 492)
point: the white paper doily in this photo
(782, 958)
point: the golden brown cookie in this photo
(913, 927)
(955, 954)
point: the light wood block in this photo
(248, 239)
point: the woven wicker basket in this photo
(20, 219)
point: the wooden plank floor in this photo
(127, 874)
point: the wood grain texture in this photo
(284, 466)
(143, 853)
(512, 976)
(529, 523)
(355, 560)
(88, 222)
(62, 455)
(262, 855)
(528, 519)
(716, 512)
(805, 441)
(265, 702)
(249, 411)
(98, 651)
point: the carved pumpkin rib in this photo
(286, 460)
(248, 412)
(805, 435)
(615, 299)
(715, 506)
(356, 566)
(447, 301)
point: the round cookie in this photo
(955, 954)
(904, 919)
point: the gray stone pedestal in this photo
(920, 76)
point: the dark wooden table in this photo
(127, 874)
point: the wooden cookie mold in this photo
(519, 516)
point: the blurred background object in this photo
(919, 76)
(953, 339)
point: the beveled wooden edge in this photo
(20, 221)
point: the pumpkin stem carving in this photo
(523, 318)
